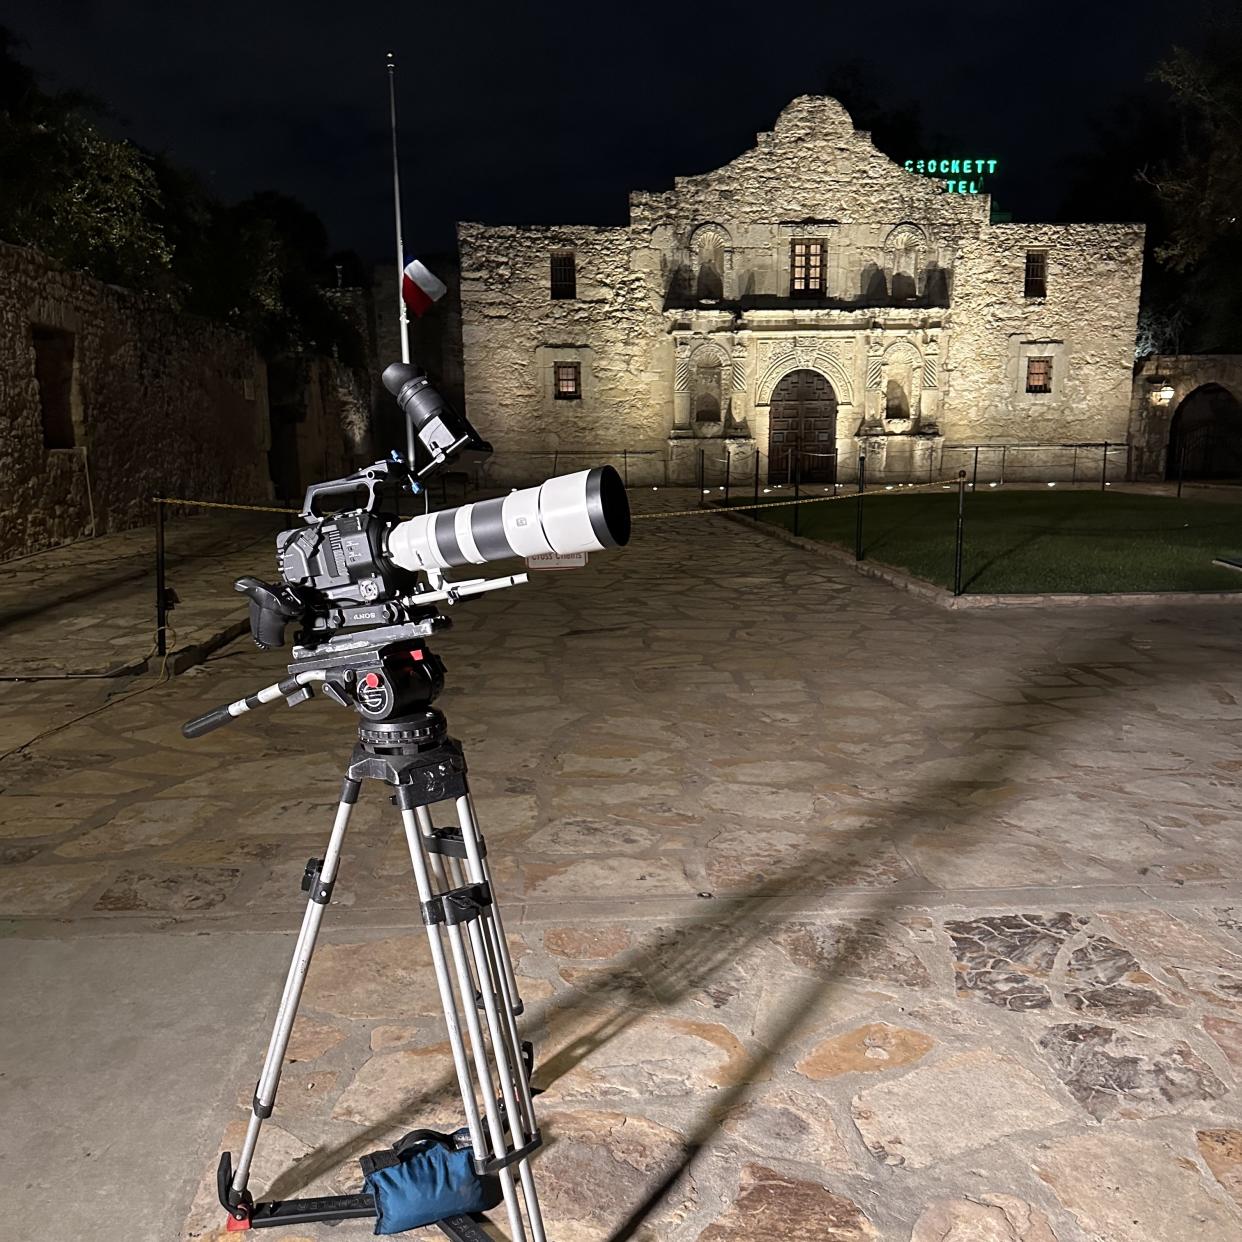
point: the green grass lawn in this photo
(1027, 541)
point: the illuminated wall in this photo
(811, 251)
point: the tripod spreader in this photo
(294, 688)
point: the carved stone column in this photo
(728, 277)
(873, 399)
(681, 389)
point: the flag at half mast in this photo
(420, 288)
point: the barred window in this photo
(1036, 273)
(806, 267)
(564, 274)
(567, 385)
(1039, 375)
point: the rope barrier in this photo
(898, 490)
(216, 504)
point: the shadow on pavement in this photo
(700, 949)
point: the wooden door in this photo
(802, 429)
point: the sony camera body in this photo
(354, 563)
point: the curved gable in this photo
(812, 166)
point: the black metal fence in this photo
(730, 464)
(1099, 465)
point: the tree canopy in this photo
(1170, 154)
(102, 205)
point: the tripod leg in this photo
(506, 982)
(493, 966)
(479, 871)
(412, 817)
(269, 1079)
(492, 950)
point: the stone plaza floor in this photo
(838, 916)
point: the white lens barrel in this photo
(583, 512)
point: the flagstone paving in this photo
(88, 607)
(837, 916)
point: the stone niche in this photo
(709, 383)
(902, 385)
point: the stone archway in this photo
(802, 428)
(1205, 435)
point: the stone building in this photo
(811, 301)
(1186, 417)
(108, 398)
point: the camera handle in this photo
(369, 479)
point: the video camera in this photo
(363, 566)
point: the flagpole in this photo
(396, 202)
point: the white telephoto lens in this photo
(584, 512)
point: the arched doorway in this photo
(802, 429)
(1205, 436)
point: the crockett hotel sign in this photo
(961, 176)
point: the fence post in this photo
(756, 474)
(161, 594)
(728, 466)
(961, 529)
(974, 478)
(1181, 466)
(556, 454)
(701, 451)
(797, 491)
(625, 467)
(858, 508)
(1074, 466)
(1004, 449)
(1104, 469)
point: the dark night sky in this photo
(550, 112)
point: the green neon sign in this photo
(961, 176)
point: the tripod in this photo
(402, 742)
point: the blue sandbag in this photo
(428, 1177)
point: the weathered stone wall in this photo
(512, 330)
(330, 437)
(1086, 324)
(922, 329)
(162, 404)
(1152, 413)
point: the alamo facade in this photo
(811, 301)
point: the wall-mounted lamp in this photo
(1162, 395)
